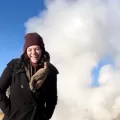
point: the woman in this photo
(33, 83)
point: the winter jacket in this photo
(22, 103)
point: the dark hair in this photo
(25, 59)
(46, 57)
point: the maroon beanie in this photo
(34, 39)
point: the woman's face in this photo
(34, 53)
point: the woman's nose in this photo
(33, 51)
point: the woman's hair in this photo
(46, 56)
(25, 59)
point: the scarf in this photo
(38, 77)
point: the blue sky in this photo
(95, 73)
(13, 15)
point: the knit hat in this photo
(34, 39)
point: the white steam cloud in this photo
(78, 33)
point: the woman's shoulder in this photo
(14, 62)
(53, 68)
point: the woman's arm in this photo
(5, 81)
(51, 100)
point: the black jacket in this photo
(22, 103)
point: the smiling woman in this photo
(34, 47)
(34, 53)
(33, 83)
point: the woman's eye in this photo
(37, 49)
(29, 50)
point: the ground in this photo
(1, 116)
